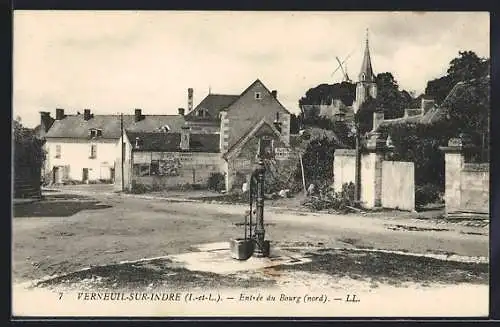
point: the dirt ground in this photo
(67, 232)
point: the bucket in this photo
(241, 248)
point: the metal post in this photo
(357, 173)
(123, 152)
(262, 247)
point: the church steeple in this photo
(366, 73)
(366, 86)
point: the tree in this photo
(467, 66)
(364, 116)
(28, 149)
(326, 93)
(318, 161)
(389, 98)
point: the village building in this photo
(81, 148)
(223, 134)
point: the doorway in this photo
(112, 174)
(85, 175)
(56, 175)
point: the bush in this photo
(216, 182)
(140, 188)
(427, 193)
(329, 199)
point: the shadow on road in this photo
(154, 274)
(393, 268)
(57, 205)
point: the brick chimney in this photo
(138, 115)
(185, 138)
(86, 114)
(59, 114)
(378, 117)
(190, 99)
(274, 93)
(427, 104)
(181, 111)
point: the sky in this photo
(115, 61)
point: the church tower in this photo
(366, 85)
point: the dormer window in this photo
(94, 132)
(138, 142)
(165, 128)
(258, 96)
(202, 112)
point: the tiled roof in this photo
(213, 103)
(250, 87)
(74, 126)
(170, 142)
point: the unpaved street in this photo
(65, 232)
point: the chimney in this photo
(274, 93)
(190, 99)
(86, 114)
(185, 138)
(59, 114)
(181, 111)
(378, 117)
(427, 104)
(138, 115)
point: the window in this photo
(58, 151)
(257, 96)
(93, 151)
(94, 132)
(141, 170)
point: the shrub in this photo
(427, 193)
(329, 199)
(216, 182)
(140, 188)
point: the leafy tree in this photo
(28, 149)
(364, 116)
(326, 93)
(466, 66)
(389, 98)
(318, 161)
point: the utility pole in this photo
(123, 152)
(357, 173)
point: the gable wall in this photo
(246, 112)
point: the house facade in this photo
(82, 148)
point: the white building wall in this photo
(75, 154)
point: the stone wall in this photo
(173, 169)
(398, 185)
(392, 187)
(475, 185)
(466, 184)
(344, 168)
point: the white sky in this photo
(113, 61)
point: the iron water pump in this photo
(254, 242)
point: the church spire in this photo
(366, 73)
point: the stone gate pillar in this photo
(371, 171)
(454, 163)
